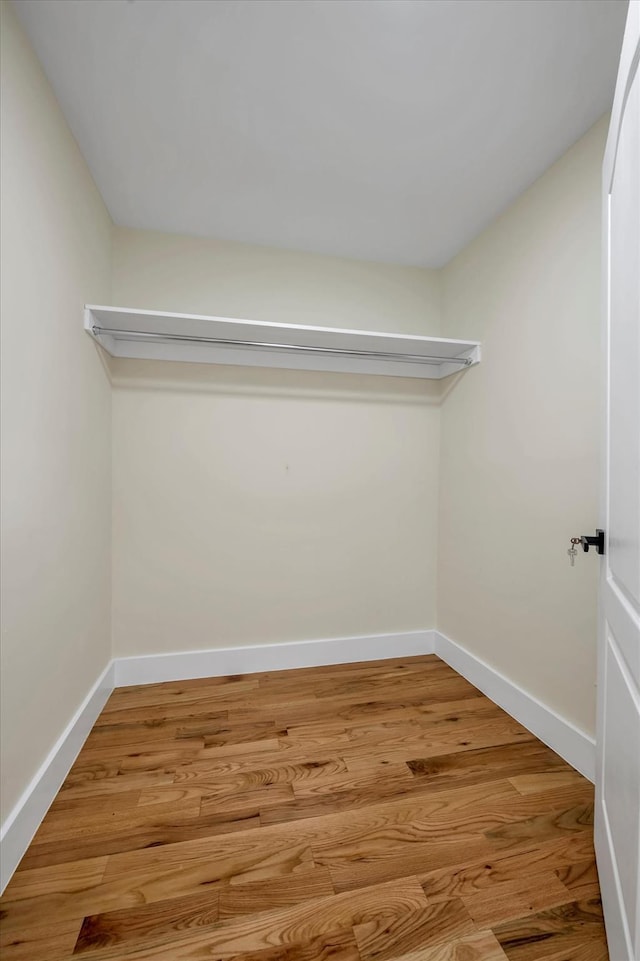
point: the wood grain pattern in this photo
(479, 946)
(562, 932)
(382, 811)
(54, 940)
(473, 876)
(334, 946)
(515, 899)
(581, 878)
(383, 939)
(149, 921)
(254, 896)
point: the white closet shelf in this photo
(153, 335)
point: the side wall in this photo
(255, 506)
(520, 439)
(56, 413)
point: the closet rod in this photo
(224, 342)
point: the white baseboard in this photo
(217, 662)
(574, 745)
(25, 818)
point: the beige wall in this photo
(157, 271)
(520, 438)
(55, 421)
(255, 506)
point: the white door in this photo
(618, 769)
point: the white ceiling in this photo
(390, 130)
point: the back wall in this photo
(257, 505)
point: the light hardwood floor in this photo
(365, 812)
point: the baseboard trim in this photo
(217, 662)
(25, 818)
(574, 745)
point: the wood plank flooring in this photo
(365, 812)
